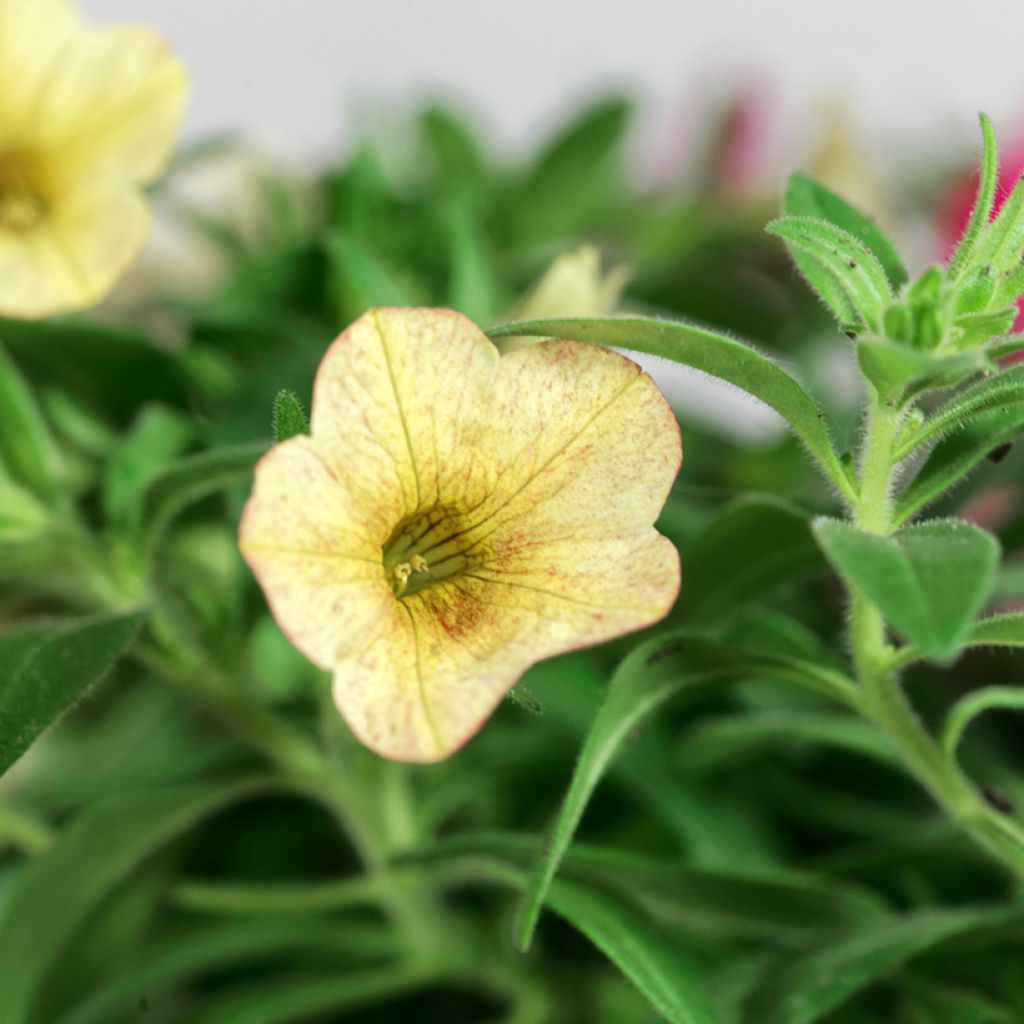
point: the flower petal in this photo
(33, 37)
(398, 401)
(445, 657)
(112, 106)
(311, 548)
(73, 256)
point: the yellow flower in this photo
(457, 516)
(86, 117)
(574, 285)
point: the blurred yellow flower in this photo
(456, 516)
(87, 115)
(574, 285)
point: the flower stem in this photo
(876, 669)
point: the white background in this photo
(302, 72)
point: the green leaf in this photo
(649, 958)
(753, 545)
(23, 516)
(45, 667)
(968, 707)
(996, 392)
(26, 444)
(101, 847)
(289, 418)
(473, 285)
(360, 278)
(998, 631)
(642, 683)
(577, 177)
(190, 479)
(982, 210)
(457, 153)
(893, 368)
(806, 197)
(196, 951)
(158, 435)
(1001, 242)
(728, 742)
(847, 262)
(652, 673)
(711, 353)
(929, 581)
(804, 989)
(956, 455)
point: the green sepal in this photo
(288, 418)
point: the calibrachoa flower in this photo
(86, 117)
(456, 516)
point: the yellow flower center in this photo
(428, 548)
(24, 200)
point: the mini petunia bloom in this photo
(456, 515)
(87, 116)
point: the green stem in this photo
(877, 665)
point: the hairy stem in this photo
(883, 697)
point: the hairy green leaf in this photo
(998, 631)
(983, 203)
(953, 458)
(45, 667)
(928, 581)
(850, 263)
(806, 197)
(968, 707)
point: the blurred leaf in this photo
(457, 153)
(103, 845)
(711, 353)
(45, 667)
(26, 444)
(307, 996)
(648, 957)
(190, 479)
(804, 989)
(727, 742)
(157, 436)
(752, 546)
(956, 455)
(968, 707)
(196, 951)
(473, 286)
(289, 418)
(929, 581)
(360, 279)
(806, 197)
(577, 176)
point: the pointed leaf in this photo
(953, 458)
(852, 265)
(806, 197)
(982, 205)
(45, 667)
(999, 631)
(289, 418)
